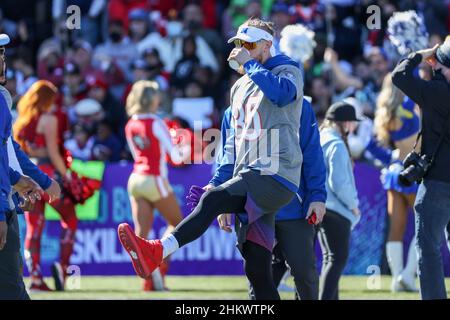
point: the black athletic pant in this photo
(231, 198)
(296, 239)
(295, 247)
(334, 238)
(258, 269)
(11, 281)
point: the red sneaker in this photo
(148, 285)
(39, 286)
(146, 255)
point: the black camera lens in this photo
(408, 176)
(411, 159)
(415, 171)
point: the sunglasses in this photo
(247, 45)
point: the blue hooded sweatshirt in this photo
(5, 172)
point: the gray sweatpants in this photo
(12, 286)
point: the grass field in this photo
(206, 288)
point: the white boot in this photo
(394, 254)
(407, 278)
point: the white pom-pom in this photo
(297, 42)
(407, 32)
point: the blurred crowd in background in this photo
(182, 46)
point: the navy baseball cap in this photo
(138, 14)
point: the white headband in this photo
(253, 34)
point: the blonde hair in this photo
(141, 97)
(261, 24)
(388, 101)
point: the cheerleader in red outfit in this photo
(37, 130)
(148, 186)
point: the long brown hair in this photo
(339, 125)
(36, 101)
(388, 101)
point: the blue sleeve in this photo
(5, 188)
(279, 90)
(14, 176)
(5, 173)
(379, 152)
(30, 169)
(313, 167)
(224, 171)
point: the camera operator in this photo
(432, 166)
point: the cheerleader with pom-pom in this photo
(38, 131)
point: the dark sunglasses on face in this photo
(247, 45)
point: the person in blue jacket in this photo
(13, 162)
(291, 224)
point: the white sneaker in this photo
(158, 283)
(407, 282)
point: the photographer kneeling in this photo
(432, 166)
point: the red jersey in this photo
(149, 141)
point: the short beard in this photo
(3, 79)
(259, 58)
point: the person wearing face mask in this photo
(144, 35)
(432, 170)
(342, 198)
(204, 51)
(118, 48)
(193, 21)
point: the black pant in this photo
(258, 269)
(334, 238)
(295, 247)
(11, 281)
(231, 197)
